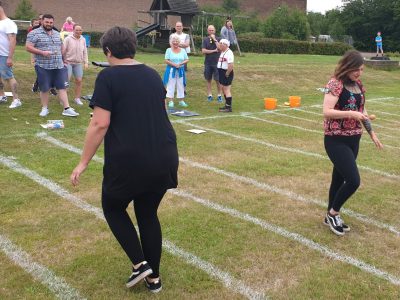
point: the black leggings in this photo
(145, 206)
(342, 151)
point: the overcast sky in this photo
(322, 5)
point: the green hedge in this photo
(248, 43)
(266, 45)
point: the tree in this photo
(231, 5)
(287, 23)
(24, 11)
(362, 19)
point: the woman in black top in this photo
(140, 152)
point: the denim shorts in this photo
(5, 71)
(211, 71)
(54, 78)
(76, 70)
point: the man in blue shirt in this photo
(45, 43)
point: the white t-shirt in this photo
(7, 26)
(183, 38)
(225, 58)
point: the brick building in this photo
(99, 15)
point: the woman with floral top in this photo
(344, 111)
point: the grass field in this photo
(246, 220)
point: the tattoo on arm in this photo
(367, 125)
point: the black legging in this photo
(342, 151)
(145, 206)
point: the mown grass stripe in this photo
(283, 148)
(288, 194)
(229, 281)
(247, 180)
(292, 236)
(55, 284)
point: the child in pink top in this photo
(68, 25)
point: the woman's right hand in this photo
(358, 116)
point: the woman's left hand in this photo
(376, 141)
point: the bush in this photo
(265, 45)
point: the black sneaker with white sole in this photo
(155, 286)
(335, 224)
(138, 274)
(346, 228)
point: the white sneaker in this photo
(44, 112)
(3, 99)
(70, 112)
(16, 103)
(78, 101)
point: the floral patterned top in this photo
(347, 101)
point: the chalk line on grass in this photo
(247, 180)
(229, 281)
(55, 284)
(292, 236)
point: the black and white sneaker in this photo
(138, 274)
(155, 286)
(335, 224)
(346, 228)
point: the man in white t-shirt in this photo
(183, 37)
(8, 41)
(225, 72)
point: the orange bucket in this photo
(294, 101)
(270, 103)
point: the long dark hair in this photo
(351, 61)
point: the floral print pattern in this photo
(347, 101)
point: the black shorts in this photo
(223, 80)
(211, 71)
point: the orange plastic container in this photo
(270, 103)
(294, 101)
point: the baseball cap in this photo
(225, 41)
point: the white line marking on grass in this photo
(287, 193)
(284, 124)
(263, 186)
(386, 113)
(55, 284)
(311, 130)
(298, 118)
(283, 148)
(292, 236)
(230, 282)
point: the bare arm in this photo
(31, 48)
(229, 70)
(12, 37)
(94, 136)
(331, 113)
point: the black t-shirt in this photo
(209, 44)
(140, 150)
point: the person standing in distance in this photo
(184, 39)
(225, 73)
(8, 41)
(344, 111)
(76, 58)
(140, 152)
(211, 54)
(45, 43)
(378, 41)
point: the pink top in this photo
(75, 50)
(68, 27)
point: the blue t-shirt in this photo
(378, 40)
(176, 58)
